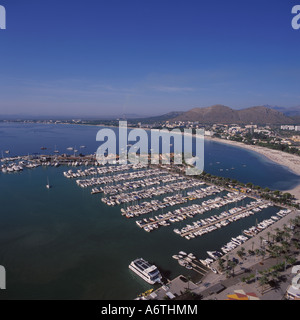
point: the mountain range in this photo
(226, 115)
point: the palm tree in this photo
(227, 273)
(296, 244)
(240, 254)
(290, 260)
(292, 222)
(275, 275)
(263, 253)
(232, 264)
(261, 239)
(285, 246)
(276, 252)
(221, 264)
(243, 250)
(278, 231)
(263, 280)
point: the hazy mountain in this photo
(226, 115)
(290, 112)
(164, 117)
(296, 119)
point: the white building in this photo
(209, 133)
(293, 291)
(287, 127)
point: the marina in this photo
(71, 216)
(167, 181)
(140, 182)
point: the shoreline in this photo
(289, 161)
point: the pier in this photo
(189, 211)
(223, 217)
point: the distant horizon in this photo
(115, 116)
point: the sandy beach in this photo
(290, 161)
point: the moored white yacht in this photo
(146, 271)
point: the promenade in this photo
(253, 263)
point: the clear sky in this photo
(97, 57)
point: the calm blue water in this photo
(220, 159)
(64, 243)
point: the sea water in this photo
(64, 243)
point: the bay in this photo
(64, 243)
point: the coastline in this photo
(290, 161)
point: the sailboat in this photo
(55, 150)
(48, 186)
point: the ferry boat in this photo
(145, 270)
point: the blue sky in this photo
(98, 57)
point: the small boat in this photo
(190, 255)
(189, 267)
(55, 150)
(82, 147)
(176, 257)
(70, 148)
(7, 151)
(43, 148)
(203, 262)
(182, 253)
(48, 186)
(182, 262)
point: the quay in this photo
(189, 211)
(154, 205)
(229, 217)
